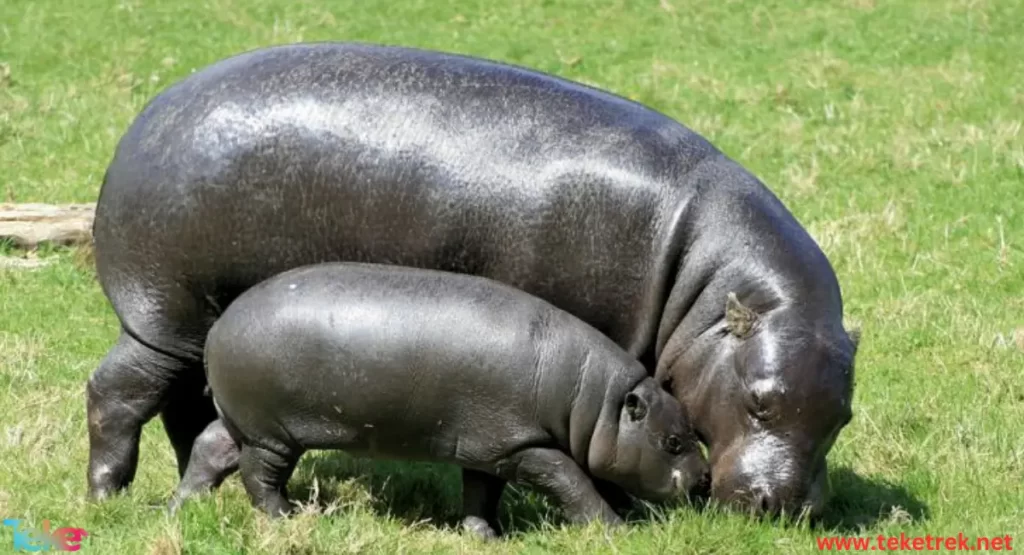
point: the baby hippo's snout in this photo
(693, 481)
(657, 452)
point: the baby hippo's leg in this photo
(556, 474)
(265, 476)
(214, 458)
(481, 493)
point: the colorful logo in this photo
(42, 539)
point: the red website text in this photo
(959, 542)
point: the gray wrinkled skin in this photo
(609, 210)
(387, 361)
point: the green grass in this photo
(892, 129)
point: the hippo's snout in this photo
(768, 500)
(754, 495)
(766, 478)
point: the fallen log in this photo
(27, 226)
(25, 263)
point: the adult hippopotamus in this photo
(387, 361)
(609, 210)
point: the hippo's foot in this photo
(265, 476)
(481, 493)
(186, 413)
(214, 458)
(556, 474)
(480, 528)
(125, 392)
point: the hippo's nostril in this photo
(765, 502)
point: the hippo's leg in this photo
(214, 458)
(124, 392)
(265, 476)
(186, 413)
(481, 493)
(556, 474)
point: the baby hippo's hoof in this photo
(480, 528)
(282, 510)
(183, 495)
(175, 503)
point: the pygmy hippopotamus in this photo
(609, 210)
(420, 364)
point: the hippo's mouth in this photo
(692, 487)
(760, 503)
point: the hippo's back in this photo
(300, 154)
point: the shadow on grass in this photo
(414, 492)
(863, 502)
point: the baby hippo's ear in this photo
(636, 407)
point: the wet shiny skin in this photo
(780, 403)
(393, 362)
(609, 210)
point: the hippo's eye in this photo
(673, 445)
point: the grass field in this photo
(892, 129)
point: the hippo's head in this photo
(769, 393)
(655, 453)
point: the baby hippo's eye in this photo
(673, 445)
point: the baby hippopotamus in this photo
(398, 362)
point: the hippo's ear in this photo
(738, 318)
(636, 407)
